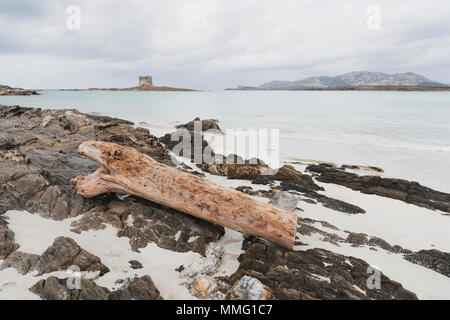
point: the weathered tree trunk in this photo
(128, 171)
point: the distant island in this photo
(145, 84)
(9, 91)
(356, 81)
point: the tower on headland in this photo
(145, 81)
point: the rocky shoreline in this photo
(38, 157)
(9, 91)
(356, 81)
(138, 88)
(354, 88)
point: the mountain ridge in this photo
(350, 79)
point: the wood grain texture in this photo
(128, 171)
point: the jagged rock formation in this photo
(21, 261)
(7, 243)
(65, 252)
(148, 222)
(261, 193)
(328, 202)
(53, 288)
(171, 140)
(62, 254)
(44, 144)
(141, 288)
(313, 274)
(244, 170)
(433, 259)
(134, 264)
(207, 124)
(407, 191)
(38, 156)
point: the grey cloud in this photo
(215, 44)
(24, 9)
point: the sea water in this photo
(405, 133)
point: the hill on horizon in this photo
(355, 78)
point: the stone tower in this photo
(145, 81)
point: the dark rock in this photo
(378, 242)
(137, 138)
(21, 261)
(49, 164)
(208, 124)
(357, 239)
(51, 145)
(340, 205)
(346, 166)
(234, 167)
(292, 186)
(149, 222)
(323, 223)
(398, 249)
(3, 222)
(313, 274)
(4, 206)
(65, 252)
(328, 202)
(260, 193)
(180, 268)
(407, 191)
(247, 190)
(197, 173)
(53, 288)
(49, 140)
(244, 170)
(177, 139)
(310, 201)
(98, 217)
(264, 180)
(139, 289)
(432, 259)
(7, 242)
(304, 227)
(259, 173)
(290, 174)
(123, 283)
(134, 264)
(144, 222)
(28, 184)
(38, 157)
(106, 119)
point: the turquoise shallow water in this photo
(406, 133)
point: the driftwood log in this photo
(128, 171)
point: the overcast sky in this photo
(214, 44)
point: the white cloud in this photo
(215, 43)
